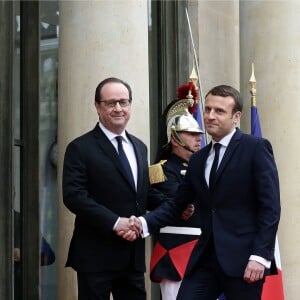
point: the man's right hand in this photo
(129, 228)
(135, 224)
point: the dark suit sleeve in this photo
(155, 198)
(75, 191)
(268, 195)
(170, 211)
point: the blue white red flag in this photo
(255, 123)
(273, 286)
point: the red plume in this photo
(183, 91)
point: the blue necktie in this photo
(214, 166)
(124, 160)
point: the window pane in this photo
(48, 145)
(16, 115)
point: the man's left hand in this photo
(254, 271)
(188, 212)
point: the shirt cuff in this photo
(116, 224)
(266, 263)
(145, 232)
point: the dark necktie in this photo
(214, 166)
(124, 160)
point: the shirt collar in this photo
(110, 135)
(226, 139)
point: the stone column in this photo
(98, 39)
(215, 27)
(270, 39)
(218, 42)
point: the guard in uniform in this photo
(174, 244)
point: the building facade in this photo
(54, 53)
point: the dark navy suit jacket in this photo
(241, 213)
(97, 191)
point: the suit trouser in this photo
(123, 285)
(207, 281)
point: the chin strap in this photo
(179, 140)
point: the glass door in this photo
(16, 156)
(49, 31)
(34, 130)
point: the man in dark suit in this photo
(239, 207)
(97, 189)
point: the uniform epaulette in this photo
(156, 173)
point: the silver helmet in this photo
(180, 119)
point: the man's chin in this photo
(119, 122)
(210, 131)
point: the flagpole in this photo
(252, 82)
(194, 78)
(198, 72)
(255, 123)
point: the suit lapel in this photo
(203, 163)
(105, 144)
(139, 160)
(232, 146)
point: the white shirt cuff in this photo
(116, 223)
(145, 232)
(266, 263)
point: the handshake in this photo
(129, 228)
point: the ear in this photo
(173, 142)
(97, 106)
(236, 117)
